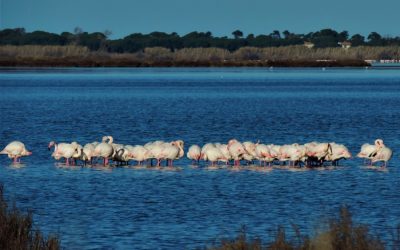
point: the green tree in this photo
(375, 39)
(357, 40)
(276, 34)
(237, 34)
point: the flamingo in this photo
(212, 153)
(88, 152)
(122, 154)
(194, 153)
(225, 152)
(105, 149)
(250, 149)
(263, 154)
(284, 154)
(295, 153)
(274, 151)
(78, 152)
(138, 153)
(154, 150)
(62, 150)
(236, 150)
(172, 151)
(383, 154)
(338, 152)
(317, 151)
(368, 151)
(15, 150)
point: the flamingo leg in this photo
(67, 161)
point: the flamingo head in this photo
(379, 143)
(51, 144)
(232, 141)
(346, 154)
(27, 153)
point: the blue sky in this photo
(221, 17)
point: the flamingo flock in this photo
(234, 152)
(121, 154)
(309, 154)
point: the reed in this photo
(17, 231)
(37, 51)
(295, 56)
(155, 54)
(340, 233)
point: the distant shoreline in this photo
(89, 62)
(291, 56)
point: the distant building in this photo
(309, 45)
(345, 44)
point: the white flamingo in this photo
(212, 153)
(63, 150)
(194, 153)
(223, 148)
(338, 152)
(173, 151)
(383, 154)
(88, 152)
(236, 150)
(296, 153)
(317, 151)
(105, 149)
(250, 149)
(15, 150)
(138, 153)
(155, 151)
(368, 151)
(78, 152)
(263, 154)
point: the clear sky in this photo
(221, 17)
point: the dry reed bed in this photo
(17, 230)
(339, 233)
(33, 55)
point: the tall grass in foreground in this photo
(341, 233)
(17, 232)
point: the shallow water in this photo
(192, 206)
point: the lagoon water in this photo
(191, 207)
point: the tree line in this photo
(100, 41)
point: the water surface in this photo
(191, 207)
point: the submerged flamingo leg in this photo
(67, 161)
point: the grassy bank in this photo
(288, 56)
(17, 230)
(339, 233)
